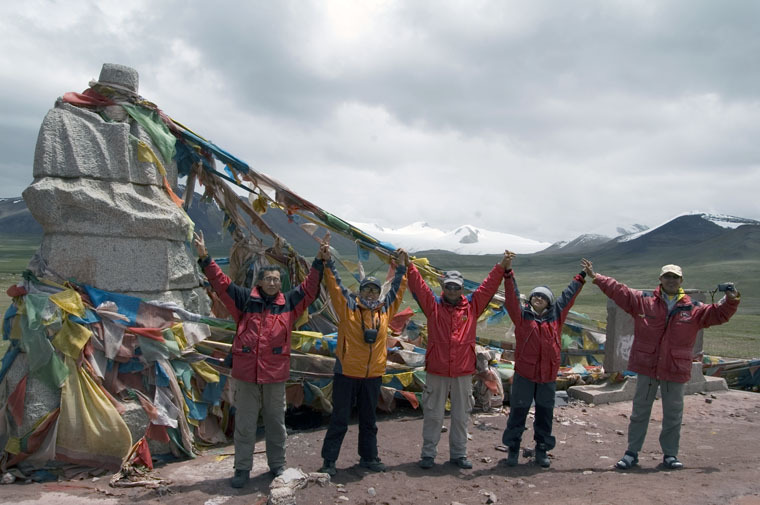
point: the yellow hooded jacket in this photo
(357, 358)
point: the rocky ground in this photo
(720, 451)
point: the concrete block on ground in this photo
(624, 391)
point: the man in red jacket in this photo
(450, 356)
(666, 324)
(260, 353)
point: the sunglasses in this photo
(670, 276)
(370, 289)
(541, 297)
(452, 287)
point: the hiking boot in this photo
(328, 467)
(372, 464)
(277, 471)
(240, 478)
(542, 459)
(461, 462)
(513, 457)
(426, 463)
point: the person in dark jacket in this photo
(665, 328)
(538, 333)
(260, 354)
(450, 357)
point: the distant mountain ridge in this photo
(695, 234)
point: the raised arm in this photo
(511, 293)
(420, 290)
(306, 292)
(481, 296)
(233, 297)
(567, 298)
(339, 296)
(718, 313)
(395, 295)
(626, 298)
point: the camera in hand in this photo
(726, 286)
(370, 335)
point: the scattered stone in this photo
(292, 478)
(485, 459)
(620, 432)
(501, 448)
(371, 491)
(282, 496)
(8, 478)
(490, 497)
(587, 472)
(343, 498)
(708, 400)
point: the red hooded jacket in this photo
(539, 337)
(663, 340)
(451, 328)
(261, 348)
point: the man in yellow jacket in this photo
(361, 356)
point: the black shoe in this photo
(513, 457)
(671, 463)
(240, 478)
(542, 459)
(461, 462)
(372, 464)
(277, 471)
(328, 467)
(426, 463)
(628, 461)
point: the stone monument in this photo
(107, 217)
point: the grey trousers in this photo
(672, 413)
(250, 400)
(437, 390)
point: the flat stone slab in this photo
(624, 391)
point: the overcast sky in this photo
(540, 119)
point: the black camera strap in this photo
(361, 317)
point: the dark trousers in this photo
(347, 391)
(523, 393)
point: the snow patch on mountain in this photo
(466, 239)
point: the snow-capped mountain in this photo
(466, 239)
(722, 220)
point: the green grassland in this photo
(739, 338)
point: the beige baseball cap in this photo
(671, 269)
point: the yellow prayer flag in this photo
(71, 338)
(69, 301)
(206, 371)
